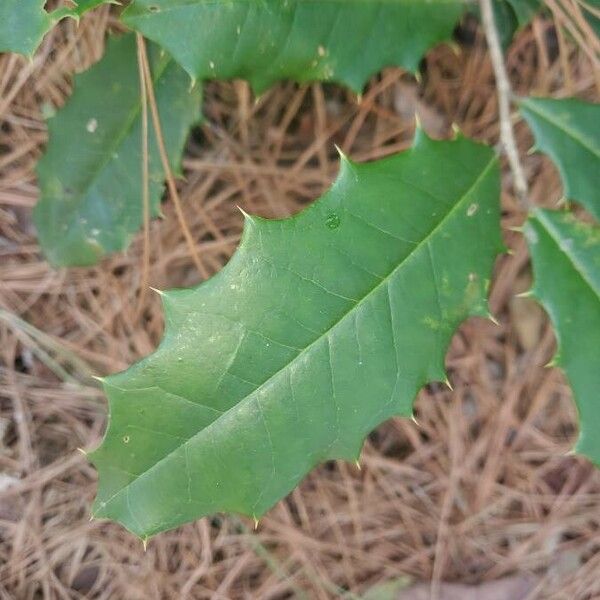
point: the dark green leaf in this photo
(591, 10)
(569, 132)
(23, 23)
(566, 263)
(525, 10)
(319, 328)
(264, 41)
(82, 6)
(91, 176)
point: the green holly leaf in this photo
(24, 23)
(591, 10)
(91, 174)
(569, 132)
(525, 10)
(321, 326)
(82, 6)
(506, 22)
(264, 41)
(566, 263)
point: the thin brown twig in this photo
(145, 178)
(507, 133)
(165, 162)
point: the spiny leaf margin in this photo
(265, 41)
(164, 461)
(565, 253)
(24, 23)
(568, 131)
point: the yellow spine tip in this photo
(490, 317)
(418, 123)
(256, 521)
(341, 153)
(357, 465)
(527, 294)
(246, 216)
(448, 384)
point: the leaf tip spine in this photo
(447, 383)
(82, 451)
(343, 156)
(526, 294)
(413, 418)
(357, 465)
(248, 218)
(256, 522)
(456, 49)
(420, 134)
(490, 317)
(157, 291)
(144, 543)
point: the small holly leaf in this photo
(566, 263)
(569, 132)
(23, 23)
(91, 174)
(264, 41)
(321, 326)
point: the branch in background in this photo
(507, 134)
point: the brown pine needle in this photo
(165, 161)
(145, 178)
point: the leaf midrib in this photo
(377, 286)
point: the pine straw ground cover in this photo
(480, 488)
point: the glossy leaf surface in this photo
(91, 174)
(321, 326)
(566, 262)
(265, 41)
(569, 132)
